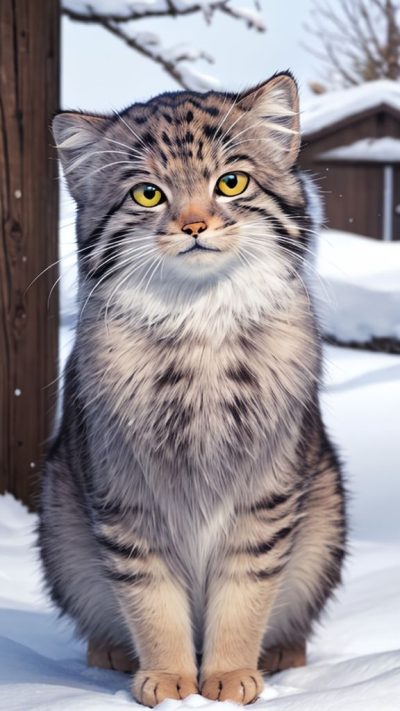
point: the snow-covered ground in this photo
(354, 662)
(358, 287)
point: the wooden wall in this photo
(352, 192)
(396, 191)
(29, 96)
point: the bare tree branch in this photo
(119, 23)
(149, 47)
(357, 40)
(90, 13)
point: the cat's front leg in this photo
(239, 601)
(156, 611)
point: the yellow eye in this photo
(232, 184)
(147, 195)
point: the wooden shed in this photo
(351, 143)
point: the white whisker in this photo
(106, 276)
(147, 257)
(139, 138)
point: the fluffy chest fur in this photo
(201, 415)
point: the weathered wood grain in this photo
(29, 96)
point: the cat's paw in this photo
(111, 658)
(241, 685)
(152, 687)
(276, 659)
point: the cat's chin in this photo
(198, 264)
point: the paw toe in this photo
(242, 686)
(152, 687)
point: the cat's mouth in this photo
(197, 247)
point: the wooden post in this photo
(29, 96)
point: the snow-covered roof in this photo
(335, 106)
(381, 150)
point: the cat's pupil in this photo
(149, 192)
(231, 181)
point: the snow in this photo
(186, 52)
(358, 286)
(144, 8)
(336, 106)
(196, 80)
(175, 55)
(251, 16)
(354, 662)
(383, 150)
(123, 9)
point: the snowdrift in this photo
(358, 286)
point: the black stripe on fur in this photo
(132, 551)
(130, 578)
(266, 574)
(95, 235)
(267, 546)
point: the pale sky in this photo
(100, 73)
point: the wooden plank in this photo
(396, 204)
(353, 196)
(29, 96)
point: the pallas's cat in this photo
(192, 514)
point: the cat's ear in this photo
(76, 136)
(276, 104)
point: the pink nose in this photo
(194, 228)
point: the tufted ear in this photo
(76, 136)
(276, 104)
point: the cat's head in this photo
(188, 186)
